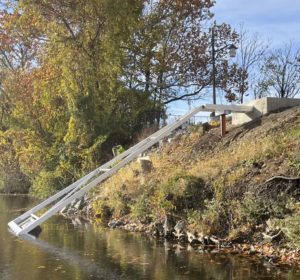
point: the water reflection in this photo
(86, 252)
(74, 259)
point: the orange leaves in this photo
(7, 32)
(20, 88)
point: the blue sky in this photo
(275, 20)
(278, 20)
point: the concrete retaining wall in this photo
(263, 106)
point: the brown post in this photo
(223, 124)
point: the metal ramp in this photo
(28, 221)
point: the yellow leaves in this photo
(3, 138)
(72, 132)
(29, 149)
(6, 150)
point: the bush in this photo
(295, 164)
(14, 182)
(222, 217)
(102, 211)
(290, 224)
(182, 193)
(141, 209)
(253, 210)
(119, 203)
(214, 219)
(48, 183)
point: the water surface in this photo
(64, 251)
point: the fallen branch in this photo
(282, 178)
(271, 237)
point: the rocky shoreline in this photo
(268, 248)
(269, 245)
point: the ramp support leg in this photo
(223, 124)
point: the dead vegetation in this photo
(226, 187)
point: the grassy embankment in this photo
(218, 185)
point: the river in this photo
(64, 251)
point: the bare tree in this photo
(251, 51)
(281, 75)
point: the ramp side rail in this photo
(29, 220)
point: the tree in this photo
(12, 179)
(252, 49)
(78, 77)
(281, 75)
(169, 56)
(233, 81)
(17, 52)
(67, 107)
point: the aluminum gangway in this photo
(28, 221)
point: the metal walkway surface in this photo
(28, 221)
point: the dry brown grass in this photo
(222, 167)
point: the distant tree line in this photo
(79, 77)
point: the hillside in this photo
(242, 188)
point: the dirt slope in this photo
(242, 188)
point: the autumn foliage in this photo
(79, 77)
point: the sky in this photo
(275, 20)
(278, 20)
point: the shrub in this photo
(295, 164)
(183, 192)
(141, 209)
(102, 211)
(253, 209)
(49, 182)
(13, 182)
(290, 224)
(45, 184)
(295, 132)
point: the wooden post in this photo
(223, 124)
